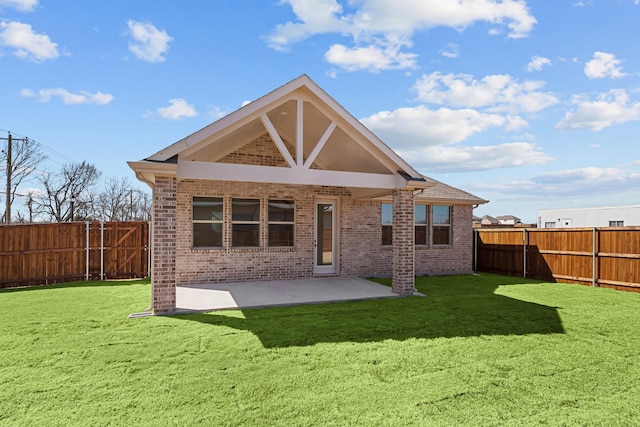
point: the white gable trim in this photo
(323, 140)
(257, 108)
(277, 140)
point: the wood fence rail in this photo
(604, 257)
(39, 254)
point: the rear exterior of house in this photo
(292, 186)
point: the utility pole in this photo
(10, 140)
(9, 166)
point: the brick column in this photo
(163, 273)
(403, 243)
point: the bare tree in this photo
(67, 195)
(119, 201)
(140, 203)
(25, 158)
(113, 200)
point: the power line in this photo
(44, 147)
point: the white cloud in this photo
(315, 16)
(420, 126)
(603, 65)
(21, 5)
(475, 158)
(382, 29)
(537, 62)
(613, 107)
(497, 93)
(452, 51)
(216, 113)
(68, 98)
(373, 58)
(578, 182)
(149, 43)
(178, 109)
(26, 43)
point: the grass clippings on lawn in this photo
(478, 350)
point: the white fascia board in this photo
(282, 175)
(146, 167)
(146, 171)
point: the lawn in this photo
(478, 350)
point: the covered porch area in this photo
(274, 293)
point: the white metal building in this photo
(619, 216)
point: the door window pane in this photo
(324, 239)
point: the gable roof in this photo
(318, 140)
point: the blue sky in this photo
(530, 104)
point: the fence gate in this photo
(40, 254)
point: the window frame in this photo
(386, 225)
(256, 222)
(291, 223)
(439, 225)
(424, 226)
(213, 222)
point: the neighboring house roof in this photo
(508, 218)
(476, 219)
(320, 143)
(489, 220)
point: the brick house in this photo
(293, 186)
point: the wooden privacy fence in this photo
(37, 254)
(604, 257)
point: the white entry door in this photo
(326, 244)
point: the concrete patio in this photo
(238, 295)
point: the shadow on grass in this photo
(462, 306)
(79, 284)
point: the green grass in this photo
(479, 350)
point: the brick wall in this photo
(456, 258)
(361, 253)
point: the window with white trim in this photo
(441, 225)
(245, 223)
(281, 220)
(207, 217)
(616, 223)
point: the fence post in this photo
(86, 261)
(101, 250)
(524, 246)
(475, 250)
(594, 257)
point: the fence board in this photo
(606, 257)
(35, 254)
